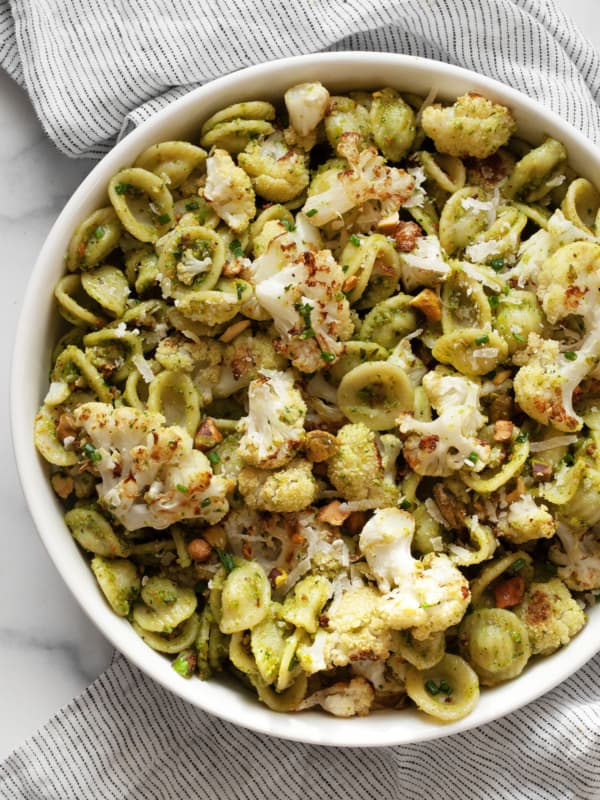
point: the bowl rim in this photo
(312, 727)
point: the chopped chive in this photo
(327, 356)
(311, 212)
(473, 458)
(236, 248)
(445, 687)
(181, 488)
(205, 503)
(91, 452)
(226, 559)
(355, 240)
(239, 288)
(570, 355)
(517, 565)
(568, 459)
(497, 263)
(214, 457)
(482, 339)
(293, 663)
(493, 300)
(522, 437)
(506, 290)
(193, 205)
(122, 188)
(164, 218)
(289, 226)
(432, 687)
(518, 337)
(406, 504)
(98, 232)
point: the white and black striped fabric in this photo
(126, 737)
(93, 69)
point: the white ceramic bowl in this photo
(36, 333)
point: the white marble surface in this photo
(48, 650)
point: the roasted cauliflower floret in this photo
(291, 488)
(578, 558)
(425, 596)
(525, 521)
(274, 428)
(368, 178)
(229, 191)
(150, 474)
(243, 359)
(352, 698)
(279, 173)
(310, 311)
(473, 126)
(353, 632)
(306, 104)
(449, 442)
(425, 264)
(551, 616)
(360, 469)
(544, 385)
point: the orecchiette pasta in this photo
(327, 412)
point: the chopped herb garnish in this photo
(570, 355)
(445, 687)
(193, 205)
(123, 188)
(90, 451)
(98, 232)
(522, 437)
(226, 559)
(432, 687)
(355, 240)
(185, 664)
(473, 458)
(482, 339)
(205, 503)
(497, 263)
(506, 290)
(406, 505)
(293, 663)
(239, 288)
(493, 301)
(305, 309)
(329, 357)
(568, 459)
(201, 587)
(164, 218)
(517, 565)
(518, 337)
(182, 488)
(311, 212)
(289, 226)
(235, 246)
(214, 457)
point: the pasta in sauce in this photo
(326, 412)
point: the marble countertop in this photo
(49, 651)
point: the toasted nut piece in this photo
(215, 536)
(207, 435)
(501, 407)
(541, 472)
(356, 522)
(333, 514)
(517, 492)
(501, 376)
(350, 283)
(277, 577)
(319, 445)
(509, 593)
(388, 224)
(406, 235)
(503, 430)
(232, 269)
(451, 508)
(199, 550)
(63, 485)
(429, 303)
(234, 330)
(66, 427)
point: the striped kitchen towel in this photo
(95, 68)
